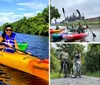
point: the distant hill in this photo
(95, 19)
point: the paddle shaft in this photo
(18, 50)
(86, 24)
(64, 16)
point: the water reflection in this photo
(9, 76)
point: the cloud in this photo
(38, 11)
(15, 16)
(28, 15)
(4, 19)
(12, 17)
(22, 9)
(90, 8)
(33, 5)
(6, 13)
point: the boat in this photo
(26, 63)
(57, 37)
(56, 31)
(22, 46)
(74, 36)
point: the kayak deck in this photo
(26, 63)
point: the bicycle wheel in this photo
(75, 71)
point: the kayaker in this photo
(8, 38)
(77, 59)
(57, 28)
(63, 56)
(81, 29)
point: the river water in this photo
(37, 45)
(95, 29)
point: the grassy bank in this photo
(95, 74)
(57, 75)
(82, 22)
(54, 75)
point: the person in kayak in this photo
(57, 28)
(63, 56)
(72, 29)
(7, 39)
(80, 28)
(77, 59)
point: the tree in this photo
(54, 13)
(92, 58)
(37, 25)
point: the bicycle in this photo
(64, 68)
(76, 70)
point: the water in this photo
(37, 45)
(95, 29)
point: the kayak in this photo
(22, 46)
(57, 37)
(56, 31)
(75, 36)
(26, 63)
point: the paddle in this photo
(90, 29)
(64, 16)
(18, 50)
(87, 24)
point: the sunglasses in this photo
(9, 30)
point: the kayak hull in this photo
(55, 31)
(57, 37)
(71, 37)
(25, 63)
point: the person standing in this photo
(64, 56)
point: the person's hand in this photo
(29, 53)
(3, 46)
(10, 45)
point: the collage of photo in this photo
(49, 42)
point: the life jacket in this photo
(10, 40)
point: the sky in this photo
(90, 8)
(13, 10)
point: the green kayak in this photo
(22, 46)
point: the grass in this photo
(95, 74)
(55, 75)
(82, 22)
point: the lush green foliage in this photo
(54, 61)
(90, 58)
(37, 25)
(54, 13)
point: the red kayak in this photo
(71, 37)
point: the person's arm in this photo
(1, 46)
(16, 45)
(59, 56)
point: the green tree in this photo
(92, 58)
(54, 13)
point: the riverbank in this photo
(76, 23)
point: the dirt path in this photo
(84, 80)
